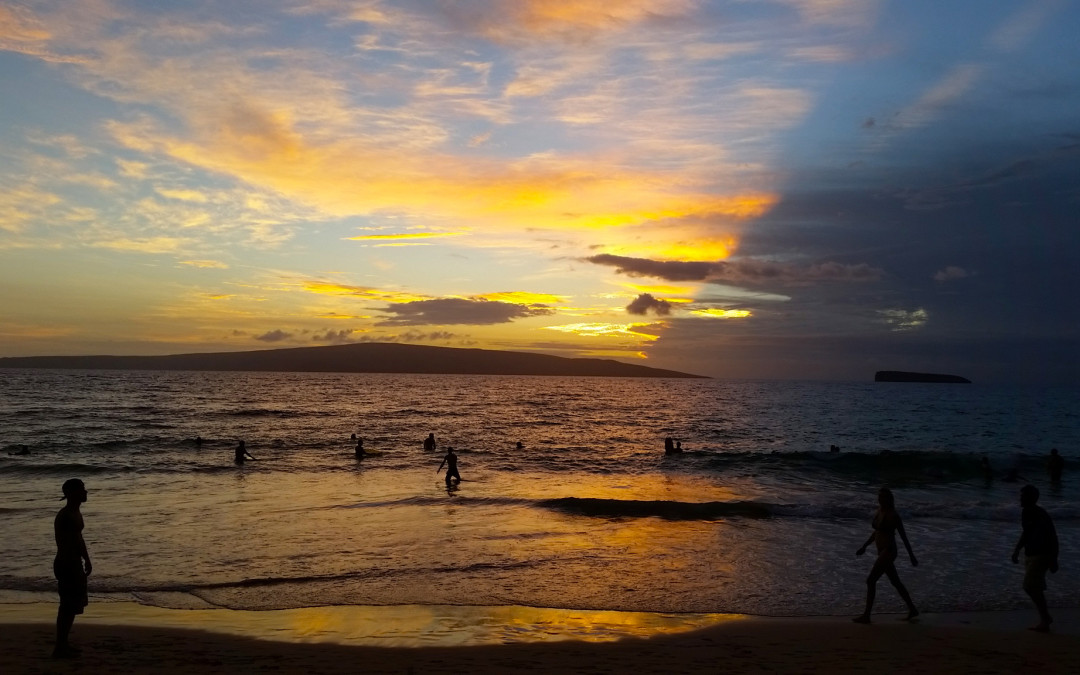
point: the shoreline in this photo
(128, 637)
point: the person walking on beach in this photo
(241, 454)
(71, 565)
(450, 461)
(429, 443)
(887, 524)
(1040, 544)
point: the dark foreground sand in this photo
(942, 644)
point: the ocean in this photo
(757, 516)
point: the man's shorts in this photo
(72, 582)
(1035, 569)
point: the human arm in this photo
(862, 549)
(1019, 545)
(907, 544)
(1053, 546)
(85, 555)
(441, 465)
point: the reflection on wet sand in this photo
(397, 626)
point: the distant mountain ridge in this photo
(373, 357)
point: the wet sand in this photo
(987, 642)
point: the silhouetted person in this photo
(834, 448)
(1055, 464)
(360, 452)
(887, 524)
(520, 445)
(669, 445)
(988, 471)
(241, 453)
(1040, 543)
(71, 565)
(429, 443)
(678, 446)
(450, 461)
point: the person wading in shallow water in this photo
(887, 524)
(450, 461)
(241, 453)
(71, 566)
(1040, 545)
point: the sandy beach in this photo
(993, 642)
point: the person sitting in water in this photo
(241, 453)
(429, 443)
(450, 461)
(360, 452)
(1055, 465)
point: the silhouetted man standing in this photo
(1040, 543)
(71, 574)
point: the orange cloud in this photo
(347, 177)
(595, 330)
(716, 313)
(326, 288)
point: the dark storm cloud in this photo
(274, 336)
(642, 267)
(749, 272)
(644, 302)
(977, 281)
(451, 311)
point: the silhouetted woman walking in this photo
(887, 524)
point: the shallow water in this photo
(757, 517)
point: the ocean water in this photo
(757, 516)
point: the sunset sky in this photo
(733, 188)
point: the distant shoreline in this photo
(374, 357)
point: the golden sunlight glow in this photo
(522, 297)
(346, 178)
(214, 264)
(660, 289)
(722, 313)
(403, 236)
(605, 330)
(686, 248)
(325, 288)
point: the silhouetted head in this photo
(885, 499)
(1053, 451)
(1029, 495)
(74, 490)
(241, 444)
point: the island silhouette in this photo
(372, 357)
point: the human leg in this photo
(894, 579)
(871, 589)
